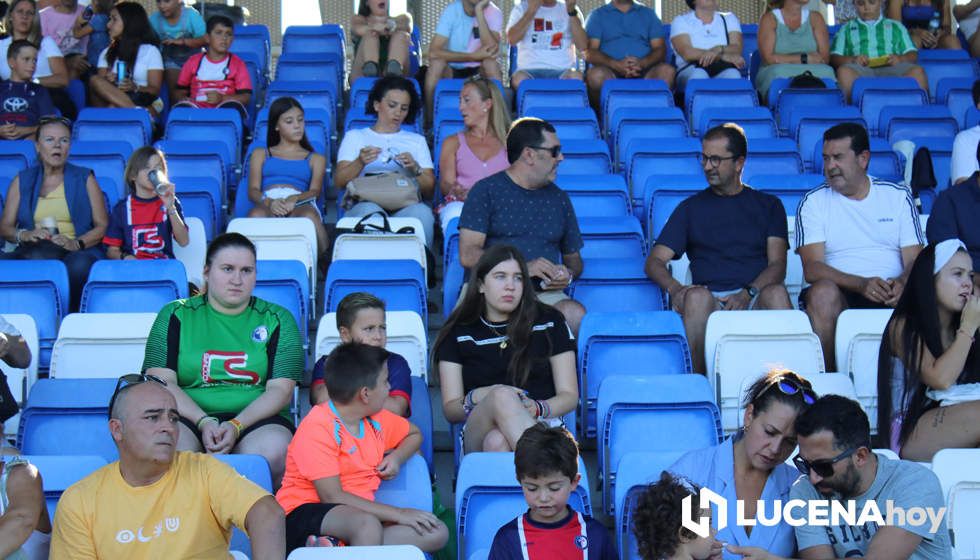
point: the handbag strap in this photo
(363, 223)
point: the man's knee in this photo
(518, 77)
(572, 310)
(596, 75)
(436, 539)
(571, 74)
(698, 301)
(774, 296)
(824, 299)
(495, 441)
(490, 69)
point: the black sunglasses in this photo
(131, 380)
(555, 150)
(791, 387)
(823, 467)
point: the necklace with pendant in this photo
(503, 343)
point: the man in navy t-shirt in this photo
(953, 214)
(735, 236)
(522, 206)
(22, 102)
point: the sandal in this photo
(370, 69)
(393, 68)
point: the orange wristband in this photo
(238, 427)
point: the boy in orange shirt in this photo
(339, 455)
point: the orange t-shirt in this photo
(323, 447)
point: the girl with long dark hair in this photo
(927, 351)
(505, 360)
(131, 68)
(284, 179)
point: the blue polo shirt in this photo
(624, 34)
(714, 468)
(953, 216)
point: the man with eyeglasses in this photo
(155, 502)
(837, 464)
(523, 207)
(735, 237)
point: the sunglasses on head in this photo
(823, 467)
(131, 380)
(790, 387)
(555, 150)
(52, 119)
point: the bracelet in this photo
(544, 409)
(204, 419)
(468, 404)
(238, 427)
(966, 334)
(81, 244)
(20, 231)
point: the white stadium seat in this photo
(856, 344)
(960, 479)
(389, 552)
(406, 336)
(104, 345)
(282, 239)
(193, 255)
(377, 246)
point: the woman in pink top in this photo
(478, 151)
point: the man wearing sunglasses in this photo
(155, 502)
(735, 236)
(837, 463)
(522, 206)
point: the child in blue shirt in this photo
(182, 33)
(94, 24)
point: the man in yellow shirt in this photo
(157, 503)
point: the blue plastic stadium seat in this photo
(133, 286)
(885, 162)
(677, 156)
(488, 496)
(616, 285)
(452, 283)
(410, 489)
(201, 198)
(790, 188)
(253, 38)
(662, 194)
(421, 410)
(595, 194)
(585, 157)
(68, 417)
(772, 155)
(903, 122)
(193, 158)
(784, 100)
(550, 93)
(107, 159)
(636, 471)
(757, 122)
(681, 409)
(936, 70)
(871, 94)
(654, 341)
(61, 471)
(357, 118)
(622, 93)
(446, 94)
(320, 95)
(256, 469)
(612, 238)
(314, 39)
(39, 289)
(318, 128)
(400, 283)
(972, 118)
(361, 88)
(629, 123)
(295, 67)
(956, 93)
(571, 123)
(285, 283)
(17, 154)
(750, 43)
(132, 126)
(214, 125)
(702, 94)
(807, 124)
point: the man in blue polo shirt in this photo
(954, 216)
(626, 40)
(735, 236)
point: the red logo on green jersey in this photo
(227, 367)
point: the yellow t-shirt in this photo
(186, 514)
(55, 205)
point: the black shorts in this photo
(466, 72)
(852, 300)
(277, 420)
(304, 521)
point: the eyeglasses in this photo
(51, 119)
(715, 161)
(555, 150)
(130, 380)
(790, 387)
(823, 467)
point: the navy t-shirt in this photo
(399, 376)
(953, 216)
(141, 227)
(575, 537)
(24, 103)
(539, 223)
(725, 236)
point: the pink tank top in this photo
(470, 168)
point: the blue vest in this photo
(76, 195)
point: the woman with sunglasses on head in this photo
(750, 466)
(505, 360)
(230, 359)
(385, 148)
(928, 357)
(130, 69)
(56, 210)
(478, 151)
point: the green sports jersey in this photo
(223, 361)
(881, 37)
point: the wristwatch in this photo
(572, 13)
(752, 291)
(803, 58)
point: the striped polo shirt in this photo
(881, 37)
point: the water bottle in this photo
(120, 71)
(159, 181)
(934, 23)
(87, 14)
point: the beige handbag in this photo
(391, 191)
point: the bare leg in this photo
(108, 93)
(490, 69)
(269, 441)
(259, 212)
(187, 441)
(845, 80)
(428, 542)
(920, 76)
(500, 409)
(949, 41)
(367, 51)
(773, 296)
(956, 426)
(353, 526)
(594, 78)
(438, 69)
(824, 302)
(571, 74)
(699, 302)
(662, 71)
(314, 216)
(171, 76)
(517, 78)
(573, 312)
(398, 46)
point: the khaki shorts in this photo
(550, 297)
(899, 69)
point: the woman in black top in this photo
(505, 360)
